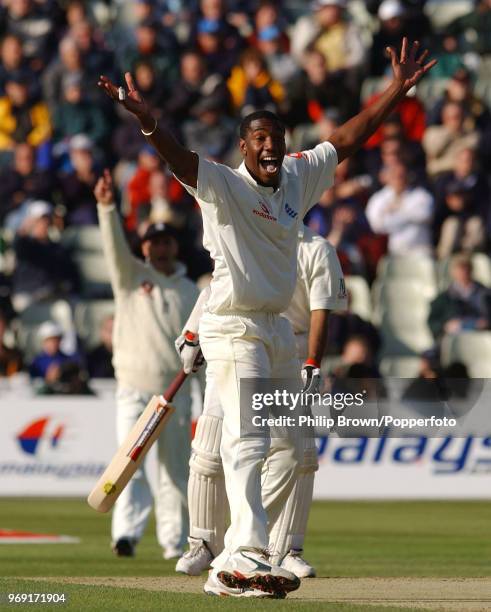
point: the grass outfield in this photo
(346, 540)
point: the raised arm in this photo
(407, 70)
(183, 163)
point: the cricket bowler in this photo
(251, 219)
(320, 288)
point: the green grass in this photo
(346, 539)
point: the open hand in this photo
(408, 69)
(133, 101)
(103, 191)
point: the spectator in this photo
(78, 183)
(163, 205)
(23, 181)
(463, 228)
(465, 305)
(44, 269)
(280, 63)
(195, 84)
(474, 29)
(154, 89)
(211, 134)
(68, 63)
(219, 50)
(138, 185)
(391, 15)
(148, 48)
(328, 30)
(460, 90)
(467, 173)
(61, 373)
(13, 60)
(404, 212)
(31, 22)
(99, 359)
(317, 90)
(357, 351)
(251, 85)
(22, 119)
(10, 358)
(76, 114)
(442, 142)
(96, 59)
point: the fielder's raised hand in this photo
(408, 68)
(311, 377)
(103, 191)
(188, 349)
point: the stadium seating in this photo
(399, 367)
(94, 275)
(36, 314)
(360, 299)
(88, 318)
(481, 270)
(473, 348)
(420, 268)
(83, 238)
(442, 12)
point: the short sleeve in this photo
(327, 286)
(316, 170)
(211, 187)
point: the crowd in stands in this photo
(421, 185)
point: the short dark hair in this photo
(245, 124)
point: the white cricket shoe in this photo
(195, 560)
(214, 586)
(295, 563)
(250, 570)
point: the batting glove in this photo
(311, 377)
(188, 349)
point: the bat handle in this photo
(173, 388)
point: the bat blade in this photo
(130, 455)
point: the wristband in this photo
(152, 131)
(189, 335)
(311, 362)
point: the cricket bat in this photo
(133, 450)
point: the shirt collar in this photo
(242, 169)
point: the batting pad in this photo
(207, 499)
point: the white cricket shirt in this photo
(320, 281)
(251, 231)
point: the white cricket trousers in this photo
(258, 345)
(133, 506)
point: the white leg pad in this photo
(208, 505)
(288, 531)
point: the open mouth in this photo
(270, 164)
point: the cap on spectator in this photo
(80, 142)
(71, 80)
(158, 229)
(38, 209)
(209, 26)
(149, 150)
(390, 9)
(318, 4)
(50, 329)
(269, 33)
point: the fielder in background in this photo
(153, 299)
(320, 288)
(251, 219)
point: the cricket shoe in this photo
(214, 586)
(250, 569)
(124, 547)
(294, 562)
(195, 560)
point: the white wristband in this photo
(151, 132)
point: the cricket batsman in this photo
(152, 301)
(320, 288)
(251, 219)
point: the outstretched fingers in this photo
(429, 66)
(414, 51)
(108, 87)
(404, 47)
